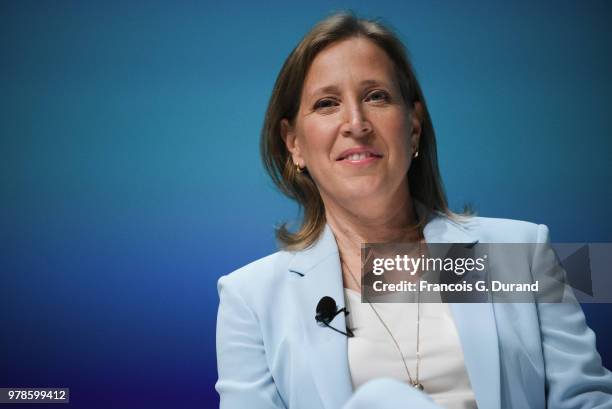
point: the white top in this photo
(372, 353)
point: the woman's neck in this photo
(353, 225)
(361, 222)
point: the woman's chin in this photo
(363, 191)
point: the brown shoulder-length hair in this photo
(424, 176)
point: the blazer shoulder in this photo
(499, 230)
(258, 277)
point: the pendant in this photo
(418, 386)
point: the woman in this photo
(347, 134)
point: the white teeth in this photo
(358, 156)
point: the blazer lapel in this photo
(324, 349)
(475, 324)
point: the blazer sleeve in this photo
(575, 377)
(244, 380)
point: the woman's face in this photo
(353, 131)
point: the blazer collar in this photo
(325, 350)
(320, 271)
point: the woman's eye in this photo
(377, 96)
(325, 103)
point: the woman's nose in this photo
(355, 125)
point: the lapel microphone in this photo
(327, 311)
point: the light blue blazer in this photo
(272, 354)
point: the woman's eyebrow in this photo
(371, 82)
(333, 89)
(328, 89)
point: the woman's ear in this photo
(416, 119)
(291, 142)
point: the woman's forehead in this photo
(355, 61)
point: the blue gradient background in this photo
(131, 181)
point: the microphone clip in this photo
(327, 310)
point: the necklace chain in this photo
(415, 383)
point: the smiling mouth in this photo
(359, 156)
